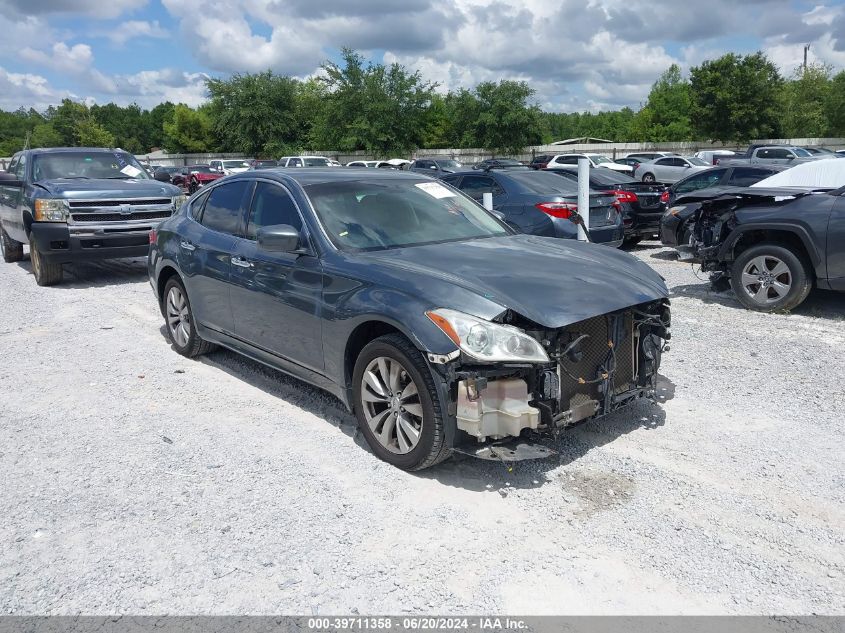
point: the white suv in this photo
(304, 161)
(229, 166)
(596, 160)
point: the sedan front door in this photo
(276, 297)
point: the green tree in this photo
(188, 130)
(373, 107)
(125, 123)
(45, 135)
(154, 124)
(506, 122)
(666, 114)
(462, 111)
(89, 133)
(65, 119)
(736, 98)
(255, 113)
(835, 105)
(805, 103)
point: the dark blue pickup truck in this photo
(78, 203)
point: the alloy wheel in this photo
(391, 405)
(178, 317)
(766, 279)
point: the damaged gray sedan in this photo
(434, 322)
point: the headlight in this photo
(51, 210)
(178, 201)
(488, 341)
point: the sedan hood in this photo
(550, 281)
(104, 189)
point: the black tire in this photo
(630, 242)
(193, 345)
(763, 261)
(46, 273)
(648, 177)
(431, 448)
(192, 188)
(12, 250)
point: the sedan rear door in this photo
(205, 250)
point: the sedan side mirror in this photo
(278, 238)
(499, 215)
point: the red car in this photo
(195, 176)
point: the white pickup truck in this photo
(772, 155)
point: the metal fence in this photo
(473, 155)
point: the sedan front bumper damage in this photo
(598, 365)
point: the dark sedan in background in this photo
(642, 203)
(675, 227)
(542, 203)
(426, 315)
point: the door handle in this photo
(240, 261)
(187, 245)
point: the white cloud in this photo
(27, 90)
(71, 59)
(99, 9)
(136, 29)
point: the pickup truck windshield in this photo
(368, 215)
(87, 164)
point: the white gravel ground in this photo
(135, 481)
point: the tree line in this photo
(389, 110)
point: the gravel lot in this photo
(137, 481)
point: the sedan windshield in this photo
(800, 151)
(200, 169)
(379, 214)
(698, 162)
(599, 159)
(234, 164)
(87, 164)
(449, 164)
(315, 162)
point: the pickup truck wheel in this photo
(46, 273)
(648, 177)
(12, 250)
(397, 406)
(179, 321)
(770, 278)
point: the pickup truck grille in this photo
(132, 210)
(120, 217)
(133, 203)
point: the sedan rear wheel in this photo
(179, 318)
(648, 177)
(397, 404)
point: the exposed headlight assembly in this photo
(488, 341)
(50, 210)
(178, 201)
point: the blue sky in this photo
(577, 54)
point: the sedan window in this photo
(364, 215)
(476, 186)
(272, 205)
(224, 206)
(700, 181)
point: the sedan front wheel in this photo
(397, 404)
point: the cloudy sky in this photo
(578, 54)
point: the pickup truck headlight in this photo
(178, 201)
(488, 341)
(51, 210)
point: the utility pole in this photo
(806, 50)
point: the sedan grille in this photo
(595, 355)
